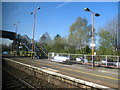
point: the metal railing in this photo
(99, 60)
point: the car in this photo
(80, 59)
(61, 58)
(5, 52)
(108, 61)
(103, 61)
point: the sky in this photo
(54, 17)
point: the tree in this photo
(112, 27)
(45, 39)
(5, 47)
(108, 38)
(105, 41)
(58, 45)
(80, 33)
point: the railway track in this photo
(15, 79)
(12, 82)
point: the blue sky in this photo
(54, 17)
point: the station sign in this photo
(92, 45)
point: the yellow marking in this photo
(79, 71)
(82, 72)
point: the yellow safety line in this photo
(82, 72)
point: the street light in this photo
(16, 26)
(33, 31)
(16, 45)
(92, 44)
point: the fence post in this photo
(84, 59)
(92, 61)
(118, 61)
(106, 61)
(48, 56)
(69, 55)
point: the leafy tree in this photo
(80, 33)
(105, 42)
(58, 45)
(87, 49)
(112, 27)
(58, 38)
(109, 38)
(5, 47)
(45, 39)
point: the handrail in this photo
(41, 50)
(26, 46)
(37, 50)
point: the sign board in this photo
(92, 45)
(94, 53)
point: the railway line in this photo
(13, 82)
(15, 79)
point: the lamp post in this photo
(92, 44)
(16, 43)
(16, 27)
(33, 31)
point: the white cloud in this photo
(68, 1)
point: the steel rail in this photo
(21, 80)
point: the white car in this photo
(82, 60)
(103, 61)
(61, 58)
(79, 59)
